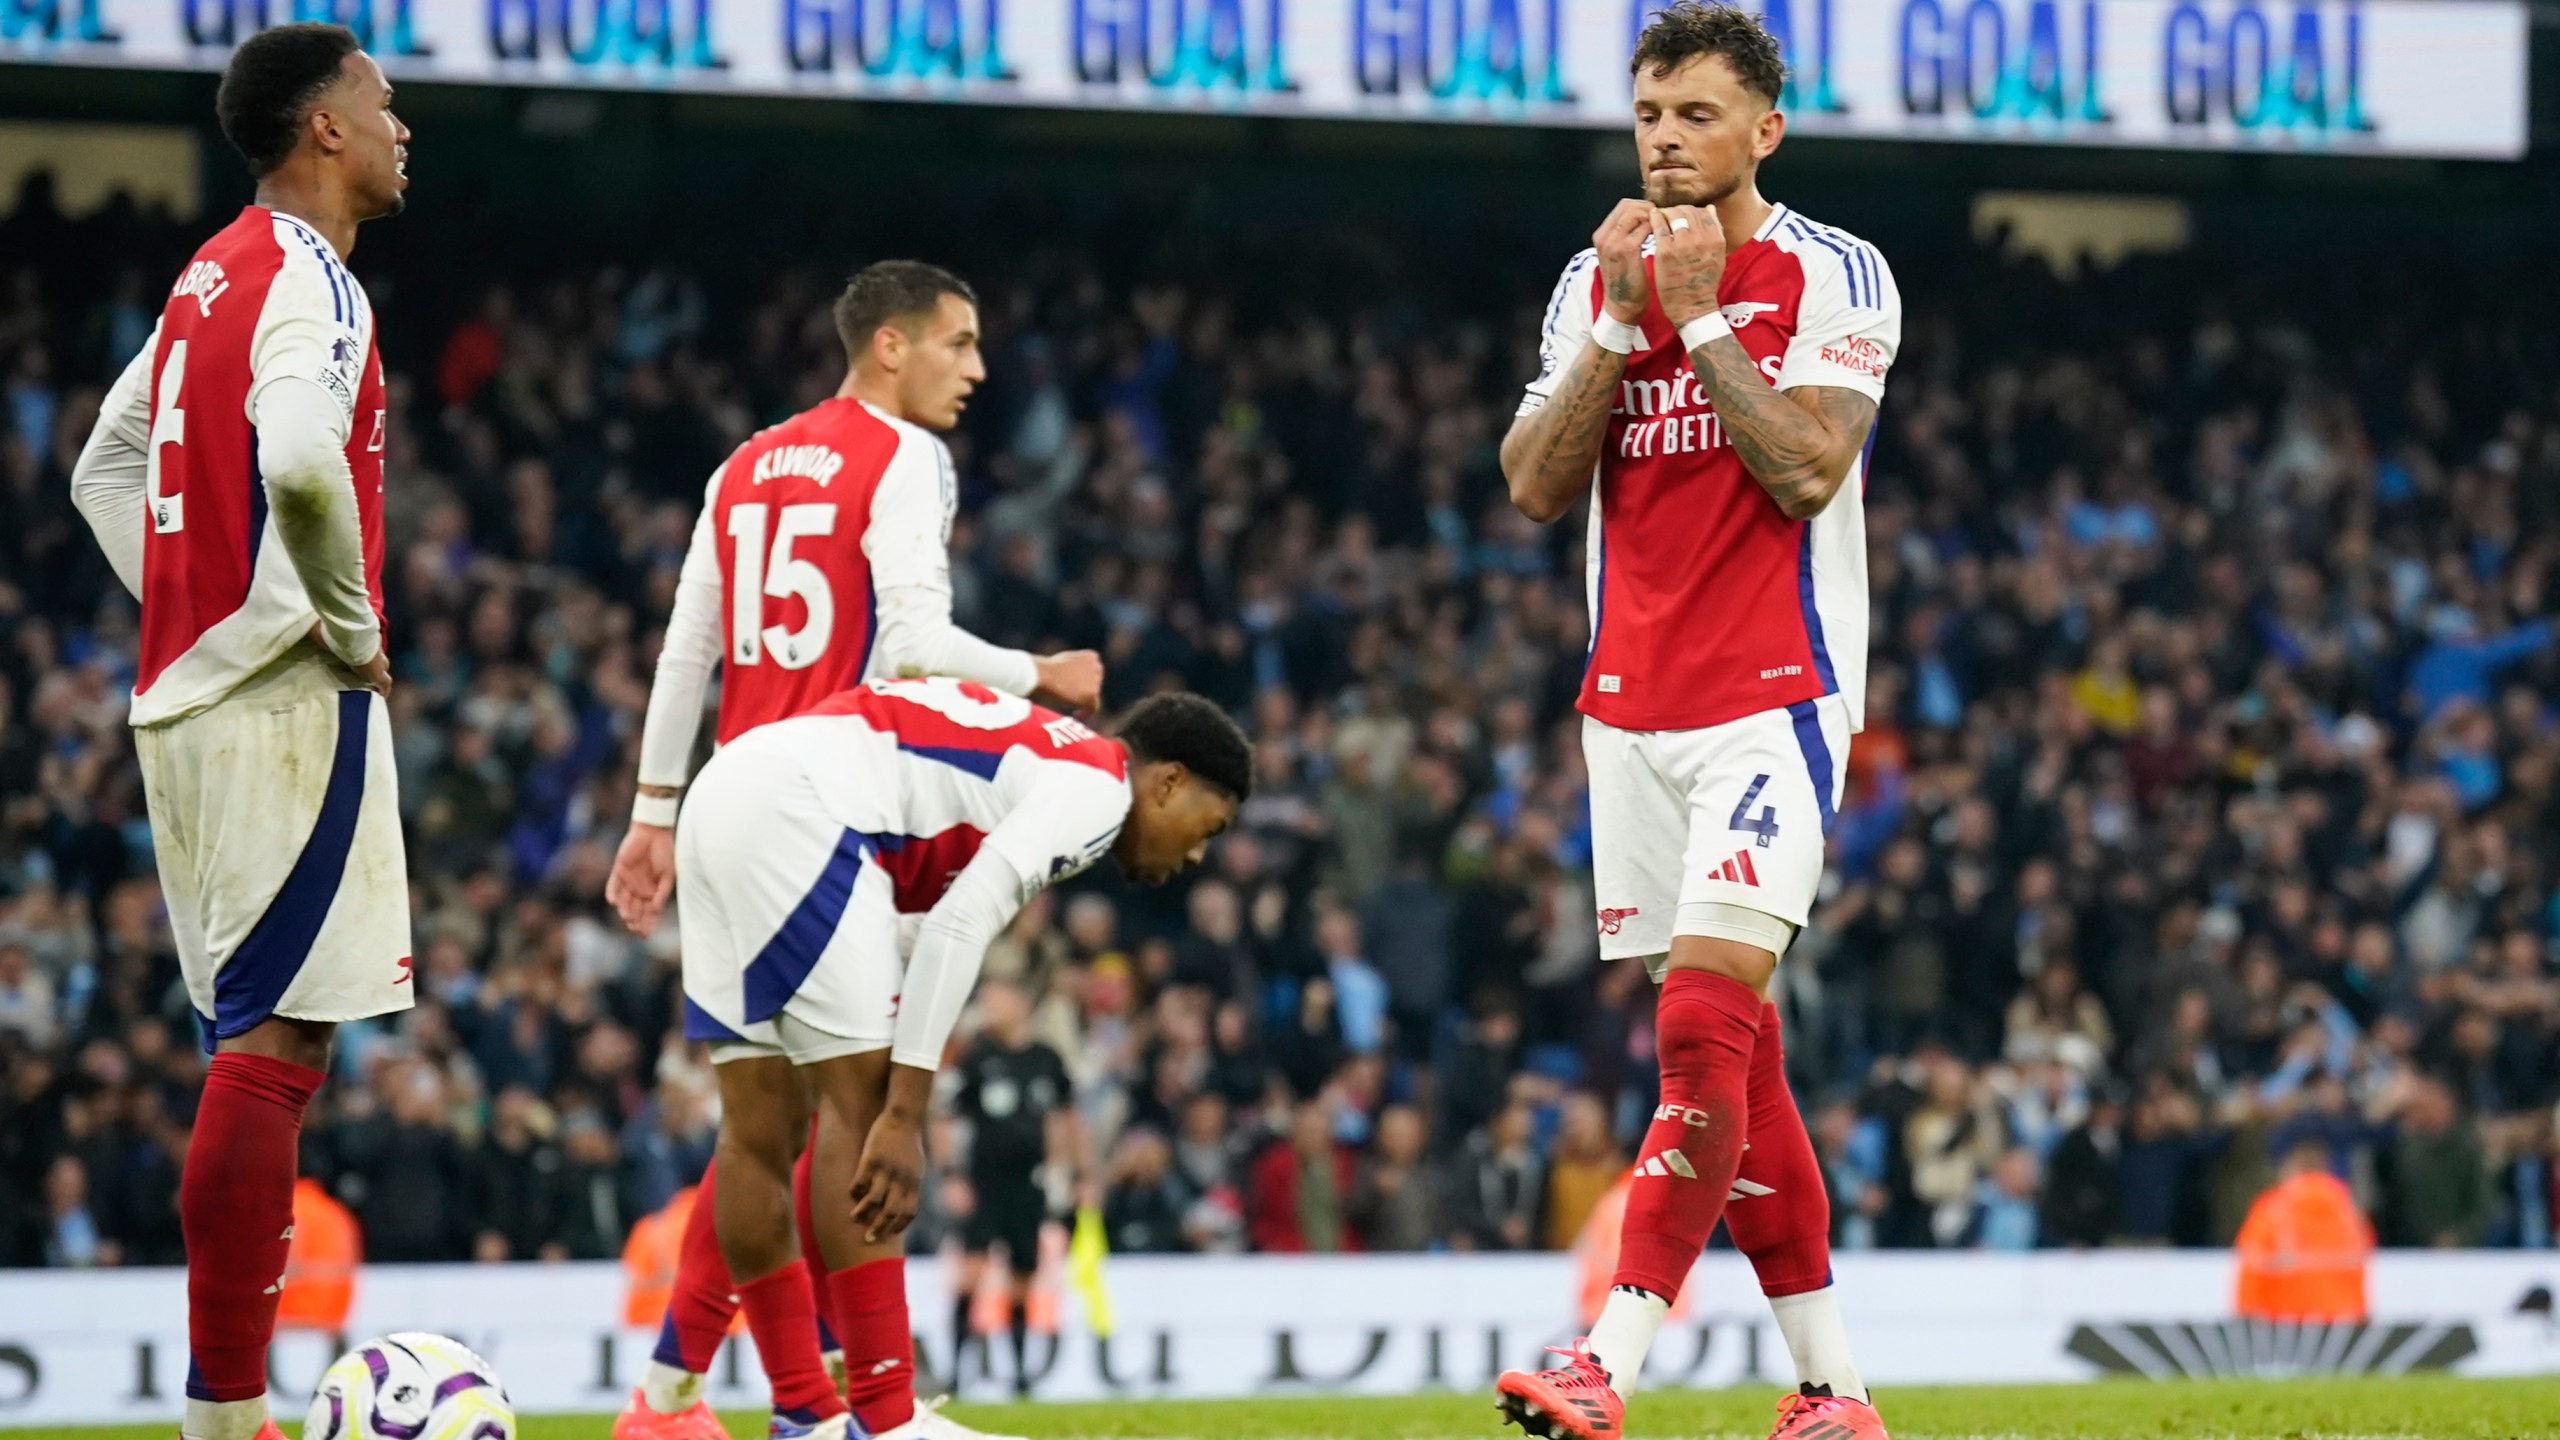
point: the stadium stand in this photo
(2210, 798)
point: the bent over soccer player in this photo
(1710, 370)
(820, 560)
(799, 847)
(235, 483)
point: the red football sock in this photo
(703, 1301)
(870, 1303)
(782, 1315)
(1705, 1024)
(1782, 1220)
(235, 1210)
(810, 1254)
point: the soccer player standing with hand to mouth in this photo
(1710, 371)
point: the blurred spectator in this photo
(76, 1239)
(2439, 1184)
(28, 1006)
(398, 1165)
(1852, 1151)
(1496, 1184)
(1204, 1161)
(1142, 1208)
(595, 1211)
(1398, 1205)
(2004, 1204)
(2082, 1206)
(1953, 1138)
(1586, 1162)
(518, 1186)
(1302, 1188)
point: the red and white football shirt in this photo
(943, 763)
(1707, 602)
(265, 299)
(803, 841)
(793, 518)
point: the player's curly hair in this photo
(890, 290)
(270, 84)
(1687, 29)
(1194, 733)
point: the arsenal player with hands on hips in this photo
(235, 483)
(820, 561)
(1709, 372)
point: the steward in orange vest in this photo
(320, 1265)
(649, 1261)
(2305, 1246)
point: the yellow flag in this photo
(1085, 1252)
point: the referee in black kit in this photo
(1019, 1103)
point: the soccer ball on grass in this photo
(410, 1386)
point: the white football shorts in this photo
(275, 817)
(790, 927)
(1684, 821)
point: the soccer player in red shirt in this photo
(1710, 372)
(820, 560)
(235, 482)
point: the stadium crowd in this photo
(2210, 796)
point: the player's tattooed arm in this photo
(1549, 453)
(1800, 443)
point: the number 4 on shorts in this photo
(1766, 826)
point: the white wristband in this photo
(658, 810)
(1615, 335)
(1707, 327)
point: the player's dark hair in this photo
(1688, 29)
(269, 86)
(888, 291)
(1193, 733)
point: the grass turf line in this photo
(2430, 1407)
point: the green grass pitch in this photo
(2411, 1408)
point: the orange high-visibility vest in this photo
(320, 1266)
(649, 1261)
(2303, 1252)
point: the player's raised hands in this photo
(1624, 287)
(1688, 260)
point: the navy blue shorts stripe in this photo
(256, 976)
(699, 1024)
(1817, 756)
(779, 969)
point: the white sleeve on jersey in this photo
(1567, 327)
(1848, 325)
(305, 360)
(1065, 822)
(108, 481)
(908, 542)
(685, 658)
(311, 499)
